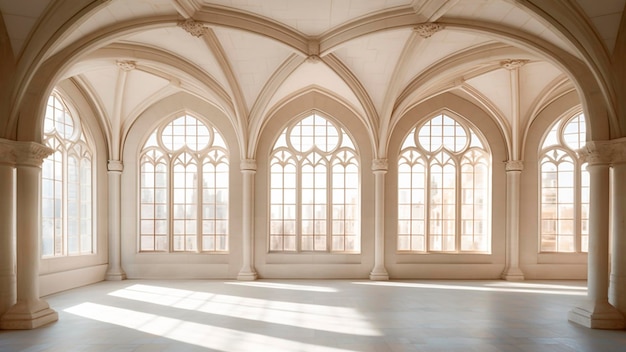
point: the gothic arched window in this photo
(66, 184)
(314, 189)
(443, 189)
(564, 188)
(184, 188)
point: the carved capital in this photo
(31, 153)
(513, 64)
(604, 152)
(115, 166)
(192, 27)
(514, 165)
(426, 30)
(126, 65)
(379, 165)
(248, 165)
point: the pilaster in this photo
(379, 168)
(512, 272)
(115, 272)
(247, 272)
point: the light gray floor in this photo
(316, 315)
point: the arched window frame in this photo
(68, 183)
(203, 226)
(557, 150)
(333, 223)
(418, 231)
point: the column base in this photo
(247, 276)
(115, 276)
(617, 293)
(597, 315)
(513, 274)
(379, 274)
(26, 316)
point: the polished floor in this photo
(316, 315)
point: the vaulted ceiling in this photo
(379, 57)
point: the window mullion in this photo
(577, 205)
(79, 200)
(427, 187)
(199, 200)
(298, 205)
(170, 205)
(64, 187)
(329, 209)
(457, 204)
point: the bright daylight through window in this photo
(314, 189)
(564, 204)
(443, 189)
(66, 185)
(184, 188)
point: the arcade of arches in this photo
(379, 139)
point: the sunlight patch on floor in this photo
(516, 287)
(208, 336)
(535, 285)
(282, 286)
(341, 320)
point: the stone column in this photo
(29, 311)
(596, 312)
(247, 272)
(115, 270)
(7, 227)
(379, 167)
(512, 271)
(617, 282)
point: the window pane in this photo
(565, 197)
(66, 206)
(434, 214)
(192, 206)
(314, 186)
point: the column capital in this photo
(604, 152)
(31, 153)
(380, 165)
(514, 165)
(248, 165)
(115, 166)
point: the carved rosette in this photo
(126, 65)
(604, 152)
(513, 64)
(380, 165)
(31, 153)
(248, 165)
(192, 27)
(514, 165)
(313, 59)
(426, 30)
